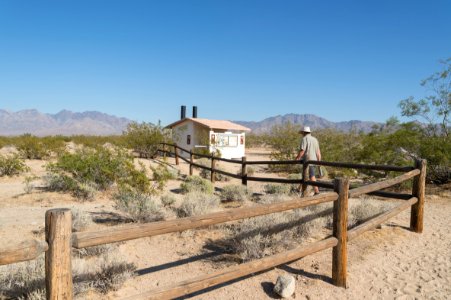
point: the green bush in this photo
(100, 168)
(197, 184)
(32, 147)
(12, 165)
(197, 203)
(139, 207)
(145, 138)
(234, 192)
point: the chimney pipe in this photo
(182, 112)
(194, 111)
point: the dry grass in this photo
(235, 192)
(25, 280)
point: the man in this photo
(309, 151)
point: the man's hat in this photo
(306, 129)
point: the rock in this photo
(285, 285)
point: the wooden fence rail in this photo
(60, 239)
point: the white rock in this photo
(285, 286)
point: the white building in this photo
(225, 136)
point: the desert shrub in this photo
(249, 170)
(207, 174)
(25, 280)
(265, 235)
(168, 200)
(196, 183)
(365, 209)
(145, 138)
(162, 174)
(139, 207)
(272, 198)
(95, 141)
(274, 188)
(87, 170)
(12, 165)
(28, 183)
(294, 187)
(234, 192)
(80, 220)
(197, 203)
(32, 147)
(94, 250)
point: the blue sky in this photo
(236, 60)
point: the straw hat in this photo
(306, 129)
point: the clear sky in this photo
(236, 60)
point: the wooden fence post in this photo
(304, 178)
(243, 171)
(164, 150)
(176, 155)
(418, 190)
(58, 267)
(340, 231)
(190, 162)
(212, 173)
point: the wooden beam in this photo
(212, 172)
(190, 163)
(382, 184)
(26, 250)
(340, 224)
(135, 231)
(176, 155)
(379, 219)
(225, 275)
(58, 267)
(243, 171)
(418, 190)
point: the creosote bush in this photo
(12, 165)
(32, 147)
(366, 208)
(88, 170)
(235, 192)
(195, 183)
(197, 203)
(138, 206)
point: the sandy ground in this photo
(387, 263)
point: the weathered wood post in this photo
(340, 231)
(418, 190)
(243, 171)
(304, 178)
(212, 173)
(176, 155)
(58, 267)
(164, 150)
(191, 162)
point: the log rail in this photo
(60, 239)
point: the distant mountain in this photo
(65, 123)
(313, 121)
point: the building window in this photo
(242, 140)
(188, 139)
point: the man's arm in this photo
(318, 154)
(300, 154)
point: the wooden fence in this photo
(59, 239)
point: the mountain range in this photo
(313, 121)
(65, 122)
(96, 123)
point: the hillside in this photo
(65, 123)
(313, 121)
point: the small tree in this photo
(435, 107)
(144, 137)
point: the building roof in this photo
(212, 124)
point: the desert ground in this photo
(390, 262)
